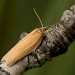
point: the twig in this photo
(55, 42)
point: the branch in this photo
(55, 42)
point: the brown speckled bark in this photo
(55, 42)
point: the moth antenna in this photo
(38, 17)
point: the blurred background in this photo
(17, 16)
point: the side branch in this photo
(55, 42)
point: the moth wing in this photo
(23, 47)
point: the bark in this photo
(56, 41)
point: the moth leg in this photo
(23, 35)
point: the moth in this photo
(25, 46)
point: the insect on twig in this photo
(25, 46)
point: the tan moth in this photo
(25, 45)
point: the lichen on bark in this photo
(56, 41)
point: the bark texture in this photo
(56, 40)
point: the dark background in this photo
(17, 16)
